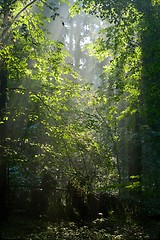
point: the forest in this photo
(79, 119)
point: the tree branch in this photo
(4, 35)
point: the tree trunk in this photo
(150, 100)
(135, 148)
(3, 162)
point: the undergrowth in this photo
(27, 229)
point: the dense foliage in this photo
(130, 90)
(71, 147)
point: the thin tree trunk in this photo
(3, 162)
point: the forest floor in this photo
(18, 228)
